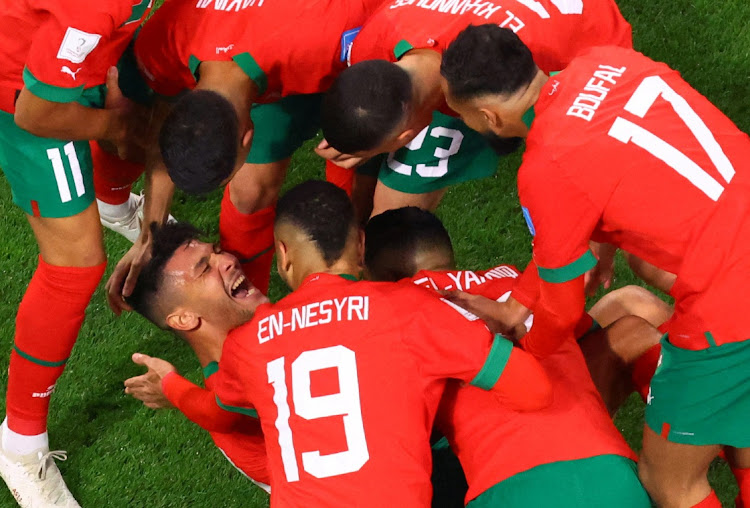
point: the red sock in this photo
(340, 177)
(710, 502)
(644, 368)
(743, 481)
(249, 236)
(47, 325)
(113, 177)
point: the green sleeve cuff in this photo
(566, 273)
(495, 363)
(210, 369)
(234, 409)
(402, 47)
(49, 92)
(248, 64)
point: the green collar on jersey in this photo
(528, 117)
(210, 369)
(401, 48)
(348, 277)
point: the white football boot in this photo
(34, 479)
(130, 225)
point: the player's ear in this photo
(247, 136)
(283, 261)
(361, 248)
(494, 122)
(183, 320)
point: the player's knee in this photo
(257, 186)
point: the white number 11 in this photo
(628, 132)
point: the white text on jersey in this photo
(349, 308)
(586, 104)
(228, 5)
(465, 280)
(480, 8)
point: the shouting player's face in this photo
(207, 285)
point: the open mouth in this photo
(240, 288)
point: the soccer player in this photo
(395, 107)
(54, 60)
(223, 59)
(622, 150)
(412, 244)
(174, 250)
(540, 458)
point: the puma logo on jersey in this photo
(44, 395)
(225, 49)
(586, 104)
(555, 86)
(67, 70)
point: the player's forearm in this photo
(198, 404)
(68, 121)
(555, 317)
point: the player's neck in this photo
(229, 80)
(206, 343)
(423, 67)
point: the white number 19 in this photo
(628, 132)
(344, 403)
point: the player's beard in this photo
(502, 146)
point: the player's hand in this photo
(122, 281)
(340, 159)
(495, 314)
(603, 273)
(147, 387)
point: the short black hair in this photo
(323, 211)
(487, 59)
(165, 241)
(199, 141)
(365, 103)
(395, 237)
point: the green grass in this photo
(123, 455)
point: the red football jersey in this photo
(493, 442)
(554, 30)
(57, 48)
(623, 151)
(245, 449)
(346, 378)
(287, 47)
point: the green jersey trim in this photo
(495, 363)
(248, 64)
(136, 13)
(234, 409)
(401, 48)
(210, 369)
(528, 117)
(43, 363)
(193, 64)
(50, 92)
(566, 273)
(348, 277)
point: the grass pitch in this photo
(124, 455)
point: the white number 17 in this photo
(628, 132)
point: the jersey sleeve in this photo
(199, 404)
(526, 288)
(68, 52)
(561, 219)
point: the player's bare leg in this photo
(363, 191)
(675, 475)
(631, 301)
(72, 261)
(247, 214)
(611, 352)
(386, 198)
